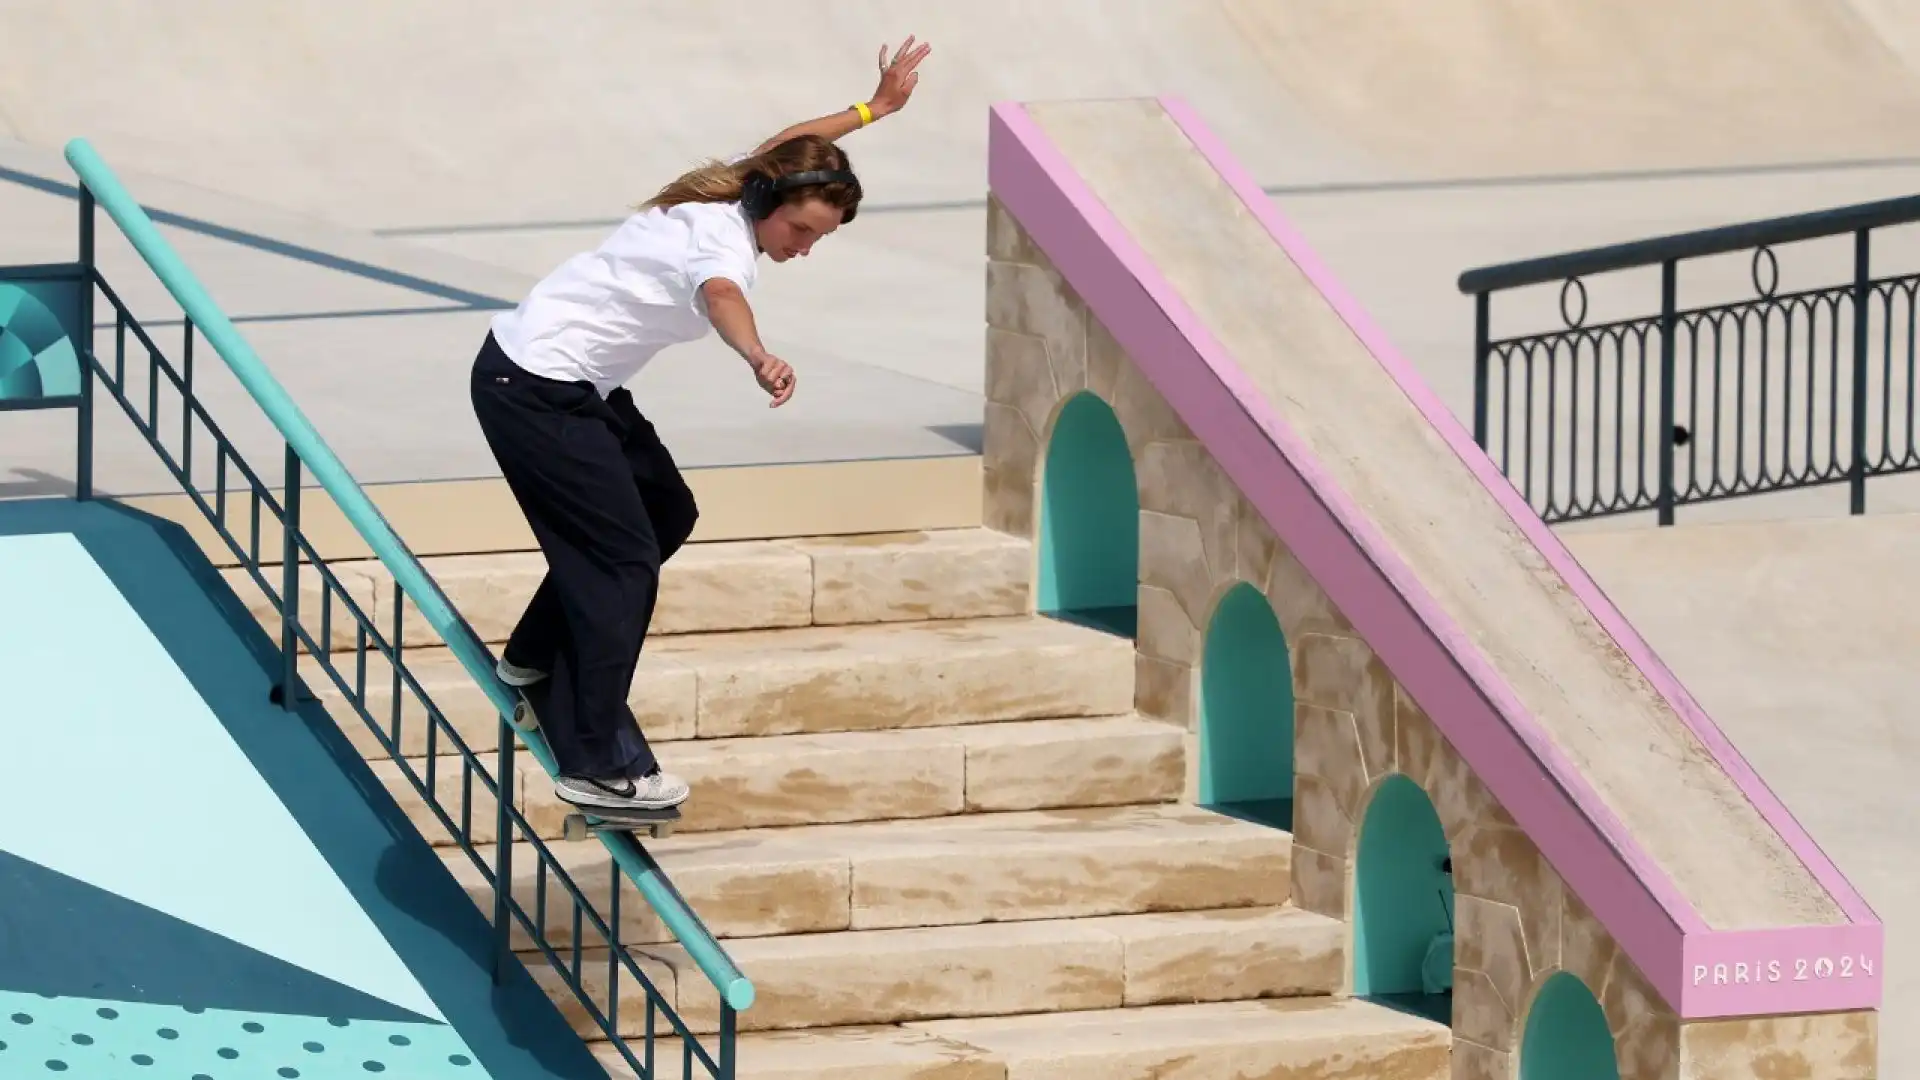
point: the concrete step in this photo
(786, 780)
(986, 969)
(873, 1052)
(805, 680)
(1276, 1039)
(734, 585)
(1285, 1039)
(973, 868)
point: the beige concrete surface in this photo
(792, 780)
(1798, 637)
(904, 576)
(873, 1052)
(1736, 871)
(580, 112)
(815, 679)
(373, 339)
(1595, 84)
(1308, 1040)
(484, 143)
(463, 517)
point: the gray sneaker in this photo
(657, 792)
(517, 676)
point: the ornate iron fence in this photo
(1770, 391)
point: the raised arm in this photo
(897, 80)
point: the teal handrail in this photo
(304, 439)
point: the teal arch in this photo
(1403, 903)
(1246, 711)
(1567, 1036)
(1089, 519)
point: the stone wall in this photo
(1516, 922)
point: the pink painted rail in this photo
(1699, 971)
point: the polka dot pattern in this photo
(67, 1034)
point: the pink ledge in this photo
(1662, 678)
(1631, 896)
(1331, 538)
(1536, 531)
(1796, 969)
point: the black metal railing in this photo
(1762, 391)
(259, 522)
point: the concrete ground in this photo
(1797, 638)
(361, 183)
(392, 174)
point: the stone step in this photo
(1276, 1039)
(786, 780)
(1282, 1039)
(806, 680)
(985, 969)
(317, 605)
(737, 585)
(874, 1052)
(972, 868)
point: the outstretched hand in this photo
(898, 77)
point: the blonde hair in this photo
(714, 182)
(719, 182)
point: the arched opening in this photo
(1246, 712)
(1567, 1036)
(1089, 569)
(1403, 904)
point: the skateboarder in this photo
(600, 492)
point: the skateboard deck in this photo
(583, 821)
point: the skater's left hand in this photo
(898, 78)
(775, 377)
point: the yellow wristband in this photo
(866, 114)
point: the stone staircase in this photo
(930, 828)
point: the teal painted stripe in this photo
(117, 773)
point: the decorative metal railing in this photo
(258, 523)
(1768, 391)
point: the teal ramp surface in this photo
(195, 883)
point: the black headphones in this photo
(760, 193)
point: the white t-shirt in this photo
(602, 314)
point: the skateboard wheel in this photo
(663, 830)
(574, 828)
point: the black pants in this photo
(608, 506)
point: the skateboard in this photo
(582, 822)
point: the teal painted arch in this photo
(1246, 711)
(1567, 1036)
(1403, 903)
(1089, 529)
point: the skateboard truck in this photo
(523, 718)
(656, 823)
